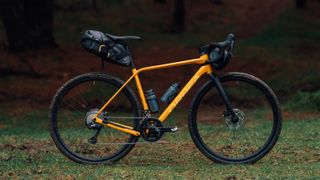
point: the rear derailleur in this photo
(92, 125)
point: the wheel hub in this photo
(240, 119)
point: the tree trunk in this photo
(179, 16)
(218, 2)
(161, 1)
(28, 24)
(94, 5)
(301, 4)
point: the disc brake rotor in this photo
(235, 125)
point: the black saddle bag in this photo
(99, 44)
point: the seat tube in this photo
(140, 90)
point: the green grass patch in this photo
(304, 101)
(32, 154)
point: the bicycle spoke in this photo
(77, 108)
(241, 138)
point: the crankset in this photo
(151, 129)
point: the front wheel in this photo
(248, 139)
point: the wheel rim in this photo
(241, 140)
(74, 108)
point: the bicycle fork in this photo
(225, 98)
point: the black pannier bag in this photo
(99, 44)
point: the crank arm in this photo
(168, 129)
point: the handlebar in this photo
(227, 44)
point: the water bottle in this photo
(171, 93)
(152, 101)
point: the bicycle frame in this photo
(204, 69)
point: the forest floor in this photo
(28, 151)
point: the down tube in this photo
(202, 70)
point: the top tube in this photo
(201, 60)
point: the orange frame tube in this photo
(202, 70)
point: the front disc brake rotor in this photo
(235, 125)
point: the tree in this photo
(94, 5)
(178, 20)
(28, 24)
(301, 4)
(219, 2)
(179, 16)
(161, 1)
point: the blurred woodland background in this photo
(277, 41)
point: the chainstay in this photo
(123, 117)
(145, 143)
(124, 143)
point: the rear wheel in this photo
(71, 113)
(252, 136)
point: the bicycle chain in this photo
(142, 118)
(133, 118)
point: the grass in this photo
(305, 101)
(27, 151)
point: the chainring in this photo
(150, 129)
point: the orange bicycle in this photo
(96, 118)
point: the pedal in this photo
(175, 129)
(169, 129)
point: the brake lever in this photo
(231, 47)
(231, 39)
